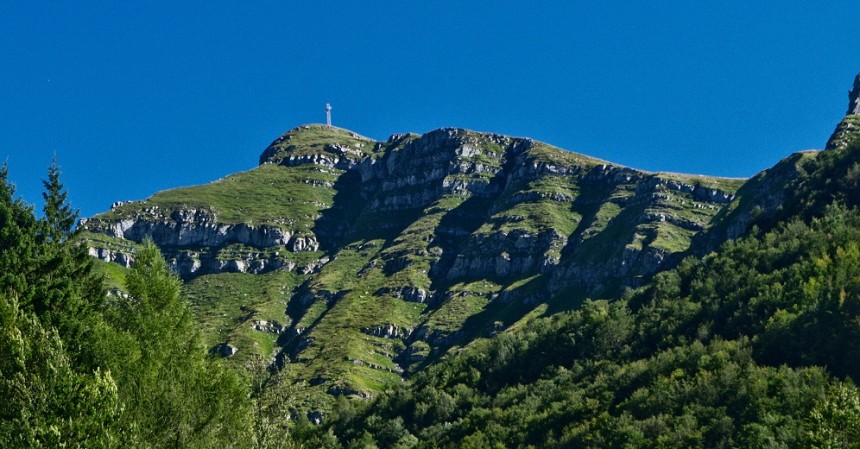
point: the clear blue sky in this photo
(136, 97)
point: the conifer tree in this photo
(66, 291)
(175, 394)
(59, 215)
(7, 191)
(17, 241)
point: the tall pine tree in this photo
(49, 274)
(59, 216)
(67, 292)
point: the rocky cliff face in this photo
(854, 98)
(849, 128)
(191, 240)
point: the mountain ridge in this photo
(346, 264)
(398, 250)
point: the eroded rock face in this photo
(854, 97)
(504, 254)
(387, 331)
(849, 128)
(117, 256)
(415, 294)
(329, 161)
(191, 238)
(698, 192)
(420, 171)
(189, 227)
(272, 327)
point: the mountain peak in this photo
(849, 128)
(854, 97)
(315, 139)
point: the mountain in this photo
(349, 264)
(356, 261)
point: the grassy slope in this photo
(228, 305)
(361, 362)
(314, 139)
(114, 274)
(286, 197)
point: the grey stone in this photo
(854, 97)
(224, 349)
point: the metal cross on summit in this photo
(328, 114)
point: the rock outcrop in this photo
(854, 97)
(224, 350)
(191, 240)
(187, 228)
(849, 128)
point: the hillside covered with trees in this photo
(752, 345)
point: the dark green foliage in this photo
(59, 216)
(831, 177)
(53, 391)
(46, 402)
(795, 288)
(50, 275)
(18, 250)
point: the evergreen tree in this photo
(17, 241)
(50, 276)
(175, 394)
(77, 372)
(66, 291)
(59, 215)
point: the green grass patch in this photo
(285, 197)
(226, 305)
(314, 139)
(114, 274)
(96, 240)
(671, 238)
(708, 182)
